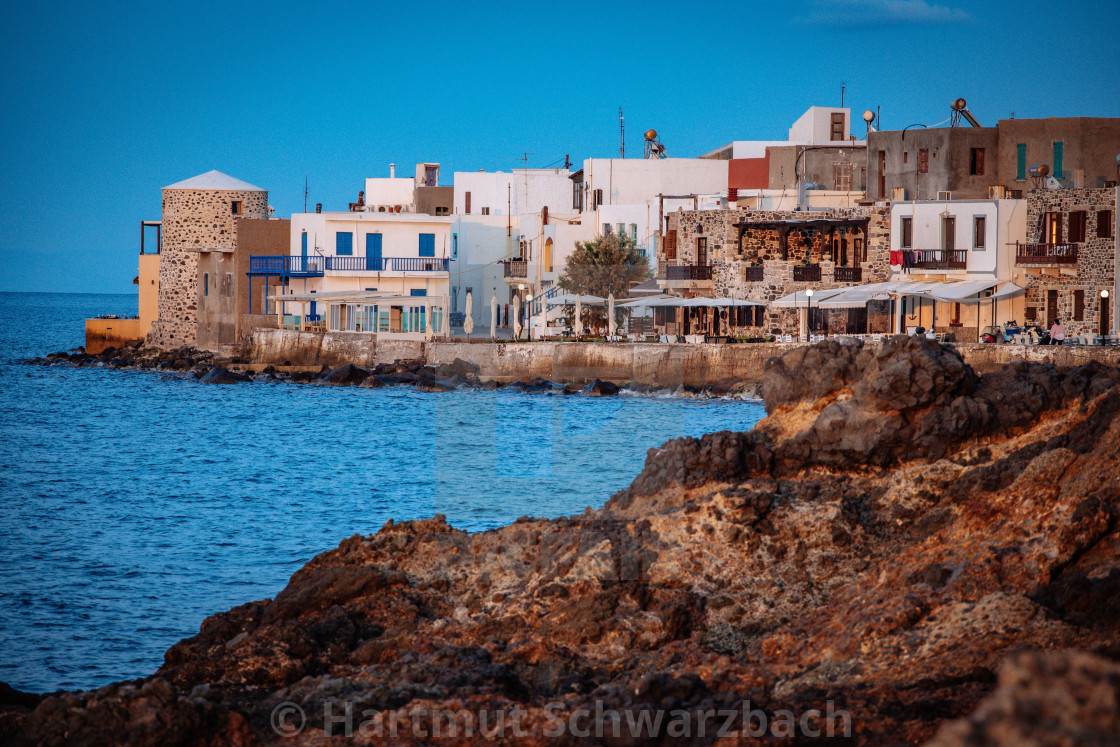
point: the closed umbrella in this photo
(493, 317)
(578, 324)
(517, 317)
(428, 331)
(611, 326)
(468, 320)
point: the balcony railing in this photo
(419, 264)
(935, 259)
(287, 265)
(848, 274)
(753, 274)
(516, 269)
(806, 273)
(1045, 254)
(688, 272)
(357, 264)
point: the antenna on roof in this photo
(305, 193)
(622, 128)
(843, 86)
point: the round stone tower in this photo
(199, 214)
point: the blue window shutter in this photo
(1021, 166)
(343, 244)
(419, 292)
(1058, 160)
(373, 251)
(427, 245)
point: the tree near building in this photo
(608, 264)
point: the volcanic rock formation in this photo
(865, 558)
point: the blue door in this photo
(373, 251)
(303, 247)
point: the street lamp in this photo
(808, 308)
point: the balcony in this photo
(753, 274)
(1045, 254)
(806, 273)
(934, 259)
(516, 268)
(418, 264)
(848, 275)
(287, 266)
(688, 272)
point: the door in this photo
(303, 249)
(948, 235)
(1051, 308)
(702, 250)
(373, 252)
(1106, 316)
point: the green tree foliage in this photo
(609, 264)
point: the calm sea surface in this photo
(132, 507)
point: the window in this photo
(906, 156)
(486, 211)
(669, 244)
(418, 292)
(701, 250)
(206, 284)
(467, 203)
(1104, 224)
(598, 199)
(427, 245)
(454, 246)
(634, 232)
(1077, 220)
(923, 160)
(842, 177)
(907, 233)
(837, 126)
(979, 230)
(1021, 162)
(1058, 148)
(343, 244)
(1052, 228)
(606, 229)
(976, 161)
(1079, 306)
(622, 230)
(235, 206)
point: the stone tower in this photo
(200, 213)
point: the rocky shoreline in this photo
(208, 368)
(930, 552)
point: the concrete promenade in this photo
(647, 363)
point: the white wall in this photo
(632, 181)
(482, 243)
(1005, 223)
(519, 191)
(386, 191)
(814, 127)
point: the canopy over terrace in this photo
(371, 300)
(569, 299)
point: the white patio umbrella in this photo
(611, 326)
(493, 317)
(468, 320)
(517, 317)
(578, 324)
(569, 299)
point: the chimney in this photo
(392, 171)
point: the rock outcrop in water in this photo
(895, 533)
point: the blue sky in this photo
(103, 106)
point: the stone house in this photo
(764, 255)
(200, 215)
(1070, 259)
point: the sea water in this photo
(133, 504)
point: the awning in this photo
(366, 297)
(962, 290)
(648, 288)
(798, 299)
(1007, 290)
(569, 299)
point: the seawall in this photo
(647, 363)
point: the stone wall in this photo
(1094, 270)
(194, 219)
(761, 245)
(653, 364)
